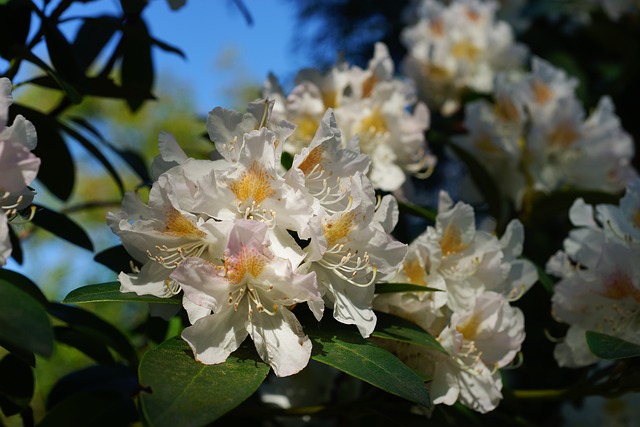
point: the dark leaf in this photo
(168, 48)
(95, 152)
(61, 54)
(109, 292)
(612, 348)
(62, 226)
(419, 211)
(57, 170)
(15, 21)
(385, 288)
(99, 86)
(16, 385)
(23, 321)
(86, 343)
(91, 324)
(136, 69)
(91, 409)
(92, 37)
(117, 259)
(25, 284)
(186, 393)
(27, 356)
(16, 246)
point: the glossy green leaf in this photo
(545, 280)
(110, 291)
(342, 347)
(608, 347)
(62, 226)
(186, 393)
(16, 385)
(57, 170)
(394, 328)
(23, 321)
(385, 288)
(96, 327)
(25, 284)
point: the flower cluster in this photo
(374, 110)
(472, 276)
(534, 136)
(246, 240)
(599, 287)
(456, 48)
(18, 164)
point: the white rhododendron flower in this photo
(536, 138)
(599, 287)
(457, 47)
(248, 294)
(18, 166)
(246, 240)
(374, 110)
(472, 276)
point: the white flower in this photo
(599, 287)
(18, 164)
(250, 293)
(457, 47)
(372, 107)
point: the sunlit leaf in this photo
(23, 320)
(105, 292)
(608, 347)
(100, 329)
(394, 328)
(342, 347)
(16, 385)
(186, 393)
(62, 226)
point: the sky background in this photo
(222, 50)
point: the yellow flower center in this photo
(306, 128)
(451, 241)
(415, 273)
(619, 286)
(635, 218)
(312, 160)
(247, 262)
(337, 231)
(330, 99)
(254, 184)
(541, 92)
(563, 136)
(374, 123)
(177, 224)
(465, 50)
(368, 85)
(469, 328)
(506, 109)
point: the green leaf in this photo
(62, 226)
(394, 328)
(25, 284)
(57, 170)
(419, 211)
(16, 385)
(612, 348)
(552, 205)
(110, 291)
(94, 326)
(188, 393)
(385, 288)
(23, 320)
(342, 347)
(545, 280)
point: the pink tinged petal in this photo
(290, 287)
(281, 342)
(203, 284)
(21, 132)
(213, 338)
(19, 167)
(247, 233)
